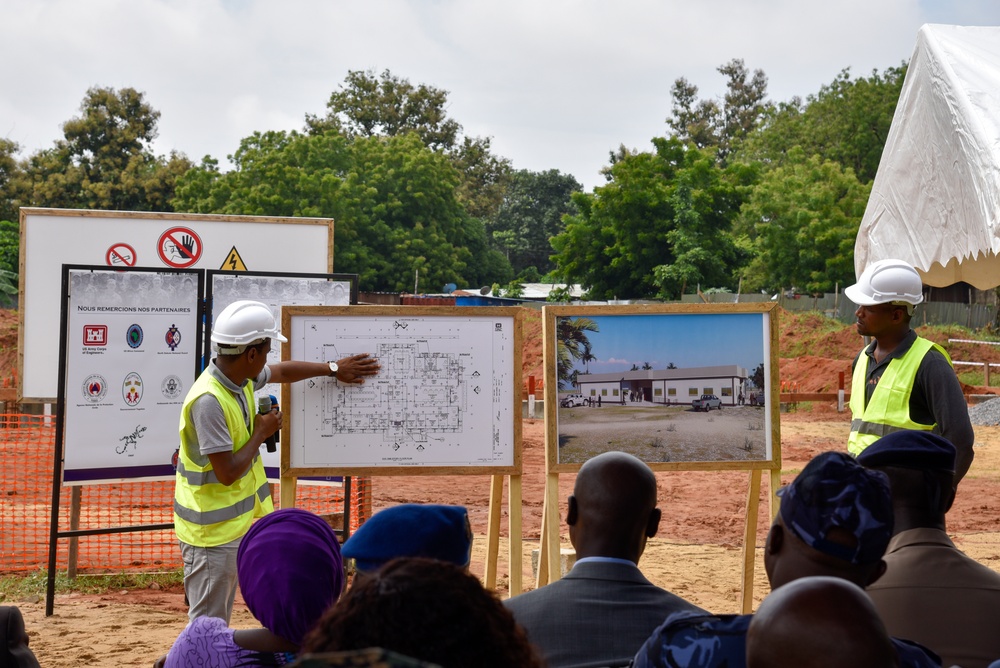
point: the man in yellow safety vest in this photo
(220, 484)
(901, 380)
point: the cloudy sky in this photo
(556, 84)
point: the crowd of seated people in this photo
(861, 570)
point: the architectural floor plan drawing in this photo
(417, 395)
(444, 395)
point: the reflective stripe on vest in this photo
(204, 518)
(206, 512)
(889, 408)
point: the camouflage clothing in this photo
(719, 641)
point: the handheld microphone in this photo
(266, 405)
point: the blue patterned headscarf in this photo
(290, 571)
(835, 491)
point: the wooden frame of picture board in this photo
(451, 336)
(771, 461)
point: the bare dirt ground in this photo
(656, 433)
(696, 554)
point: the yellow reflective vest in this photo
(889, 408)
(206, 512)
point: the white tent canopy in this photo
(935, 201)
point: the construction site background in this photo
(27, 450)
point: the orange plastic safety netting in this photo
(27, 448)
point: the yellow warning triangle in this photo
(233, 262)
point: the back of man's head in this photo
(920, 466)
(823, 622)
(613, 508)
(835, 519)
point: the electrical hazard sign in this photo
(179, 247)
(233, 262)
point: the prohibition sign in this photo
(179, 247)
(120, 255)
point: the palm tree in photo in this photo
(572, 344)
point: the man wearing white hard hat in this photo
(901, 380)
(220, 484)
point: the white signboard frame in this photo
(446, 400)
(276, 290)
(51, 238)
(128, 354)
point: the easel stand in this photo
(289, 485)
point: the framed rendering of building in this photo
(680, 386)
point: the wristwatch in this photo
(333, 369)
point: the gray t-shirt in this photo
(207, 430)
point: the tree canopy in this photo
(847, 122)
(662, 222)
(710, 123)
(385, 105)
(743, 188)
(104, 161)
(530, 214)
(393, 199)
(801, 220)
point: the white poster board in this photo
(130, 354)
(275, 290)
(446, 400)
(51, 238)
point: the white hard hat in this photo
(887, 282)
(241, 324)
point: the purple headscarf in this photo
(290, 571)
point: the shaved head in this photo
(613, 508)
(820, 622)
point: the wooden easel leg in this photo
(515, 586)
(550, 540)
(750, 543)
(772, 499)
(289, 485)
(542, 573)
(493, 532)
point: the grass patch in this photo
(24, 586)
(974, 378)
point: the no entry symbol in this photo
(179, 247)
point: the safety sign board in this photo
(233, 262)
(120, 255)
(179, 247)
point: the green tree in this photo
(9, 172)
(370, 105)
(393, 199)
(10, 239)
(104, 160)
(384, 105)
(708, 123)
(639, 222)
(801, 221)
(572, 343)
(530, 215)
(847, 122)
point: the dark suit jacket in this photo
(600, 614)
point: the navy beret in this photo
(835, 491)
(411, 530)
(910, 449)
